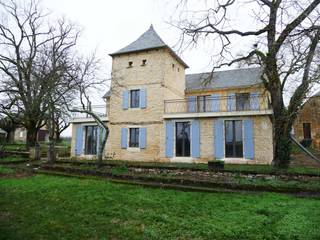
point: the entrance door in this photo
(182, 139)
(233, 138)
(306, 130)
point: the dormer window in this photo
(130, 64)
(144, 62)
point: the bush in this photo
(216, 164)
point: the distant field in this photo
(44, 207)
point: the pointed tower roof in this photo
(147, 41)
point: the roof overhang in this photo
(153, 48)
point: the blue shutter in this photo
(195, 138)
(169, 139)
(98, 139)
(125, 99)
(143, 98)
(142, 137)
(79, 140)
(248, 139)
(124, 134)
(192, 104)
(218, 139)
(231, 102)
(254, 101)
(215, 102)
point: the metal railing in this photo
(207, 104)
(100, 110)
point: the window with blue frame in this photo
(91, 140)
(134, 98)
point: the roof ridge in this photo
(235, 69)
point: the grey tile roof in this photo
(148, 40)
(107, 94)
(224, 79)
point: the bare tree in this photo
(30, 46)
(86, 80)
(284, 42)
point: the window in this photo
(203, 103)
(91, 140)
(134, 98)
(144, 61)
(130, 64)
(243, 101)
(306, 130)
(233, 138)
(182, 139)
(134, 137)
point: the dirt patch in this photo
(303, 160)
(19, 174)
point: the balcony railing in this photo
(100, 110)
(209, 104)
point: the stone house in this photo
(155, 112)
(307, 124)
(20, 135)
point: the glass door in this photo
(233, 139)
(182, 139)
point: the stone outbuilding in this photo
(307, 124)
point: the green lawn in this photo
(5, 170)
(43, 207)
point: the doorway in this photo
(233, 139)
(182, 139)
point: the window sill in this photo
(133, 149)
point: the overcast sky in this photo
(111, 25)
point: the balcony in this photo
(210, 106)
(99, 110)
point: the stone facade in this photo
(310, 114)
(161, 75)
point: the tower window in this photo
(172, 65)
(130, 64)
(144, 62)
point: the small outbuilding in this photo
(307, 125)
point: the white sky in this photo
(111, 25)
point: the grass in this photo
(5, 170)
(45, 207)
(12, 159)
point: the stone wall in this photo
(310, 113)
(163, 78)
(263, 143)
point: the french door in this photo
(233, 139)
(182, 139)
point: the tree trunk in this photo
(282, 145)
(51, 152)
(57, 136)
(31, 137)
(281, 135)
(101, 148)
